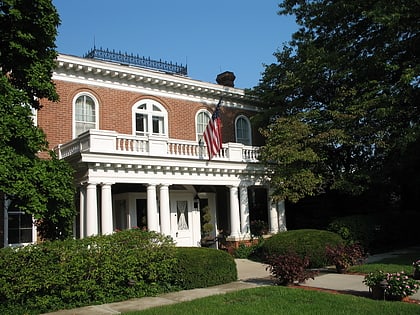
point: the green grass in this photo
(284, 300)
(397, 263)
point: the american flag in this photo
(213, 133)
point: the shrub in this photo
(363, 229)
(345, 255)
(71, 273)
(248, 251)
(396, 285)
(305, 243)
(290, 268)
(258, 227)
(199, 267)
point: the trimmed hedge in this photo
(306, 243)
(200, 267)
(94, 270)
(102, 269)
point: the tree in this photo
(347, 87)
(40, 187)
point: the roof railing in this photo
(136, 60)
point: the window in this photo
(85, 113)
(243, 130)
(149, 118)
(20, 228)
(202, 120)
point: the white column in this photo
(165, 215)
(244, 205)
(106, 207)
(273, 216)
(234, 212)
(82, 209)
(282, 215)
(91, 210)
(152, 221)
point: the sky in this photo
(209, 36)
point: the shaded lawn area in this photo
(396, 263)
(284, 300)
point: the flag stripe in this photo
(213, 133)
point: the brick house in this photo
(132, 129)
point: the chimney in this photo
(226, 78)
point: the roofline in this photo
(73, 66)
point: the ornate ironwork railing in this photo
(136, 60)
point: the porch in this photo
(115, 171)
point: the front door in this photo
(181, 221)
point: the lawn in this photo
(397, 263)
(284, 300)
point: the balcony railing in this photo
(101, 141)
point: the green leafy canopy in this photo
(40, 187)
(342, 100)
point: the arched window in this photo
(243, 130)
(85, 113)
(202, 120)
(149, 118)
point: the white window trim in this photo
(197, 134)
(74, 111)
(249, 128)
(149, 112)
(6, 227)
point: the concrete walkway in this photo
(250, 275)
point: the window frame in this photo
(10, 212)
(199, 135)
(248, 140)
(151, 116)
(96, 103)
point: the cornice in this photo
(129, 77)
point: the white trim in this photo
(84, 93)
(112, 75)
(196, 122)
(6, 227)
(150, 113)
(249, 129)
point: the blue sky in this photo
(209, 36)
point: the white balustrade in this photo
(111, 142)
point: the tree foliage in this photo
(342, 99)
(40, 187)
(27, 46)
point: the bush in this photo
(306, 243)
(290, 268)
(102, 269)
(246, 251)
(258, 228)
(200, 267)
(363, 229)
(72, 273)
(345, 255)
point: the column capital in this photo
(107, 183)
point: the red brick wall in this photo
(115, 110)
